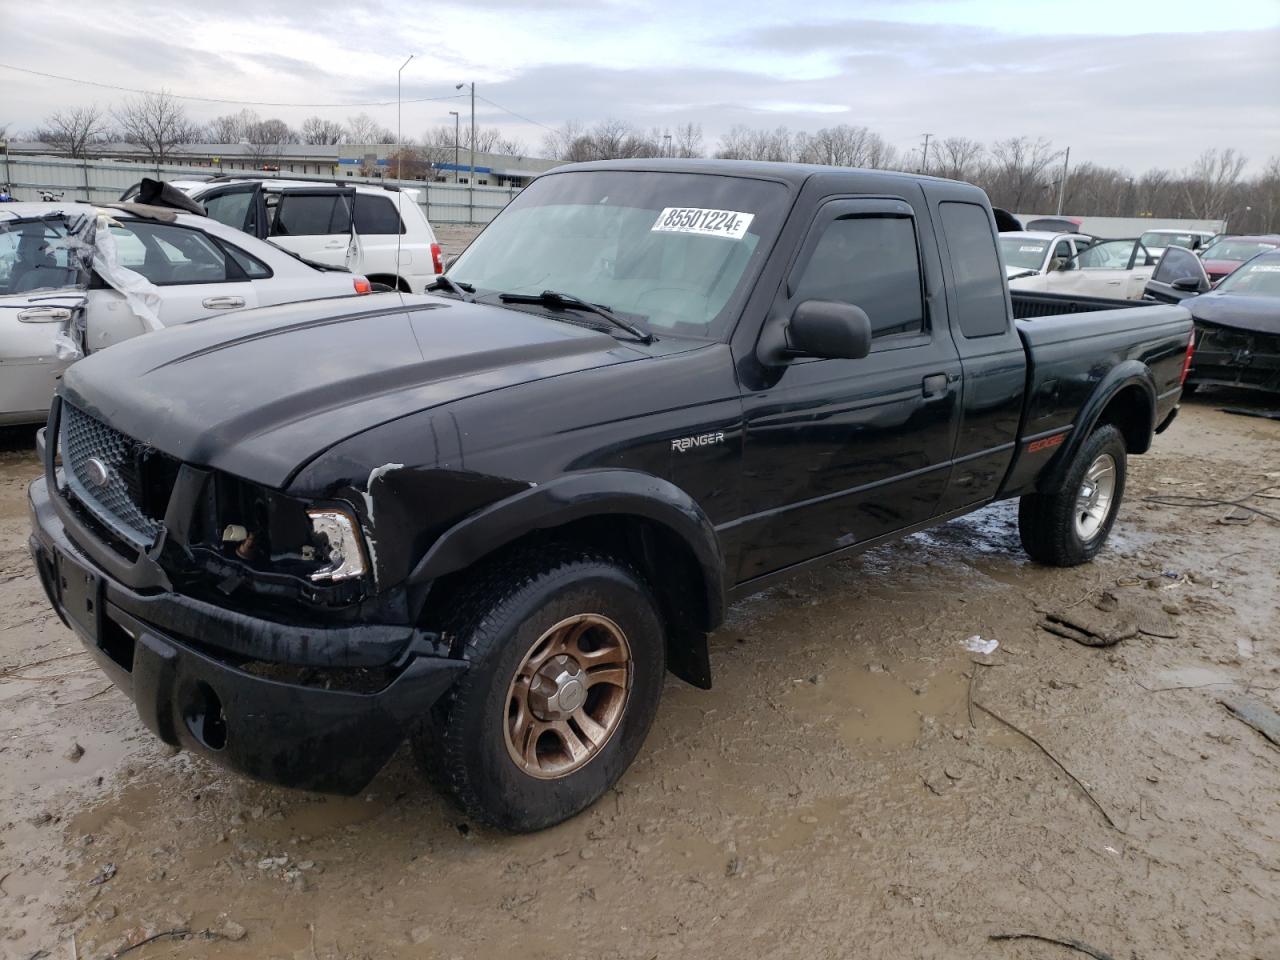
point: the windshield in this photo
(1154, 238)
(672, 250)
(1257, 278)
(1236, 249)
(1023, 253)
(52, 252)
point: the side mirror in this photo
(829, 329)
(1189, 285)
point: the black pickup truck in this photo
(488, 519)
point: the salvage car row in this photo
(76, 278)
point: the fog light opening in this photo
(204, 717)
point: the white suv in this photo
(380, 232)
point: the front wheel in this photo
(1070, 525)
(567, 657)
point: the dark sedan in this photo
(1238, 328)
(1222, 257)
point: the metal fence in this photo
(99, 181)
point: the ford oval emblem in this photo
(97, 472)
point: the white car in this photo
(1114, 269)
(380, 232)
(1031, 254)
(77, 278)
(1157, 240)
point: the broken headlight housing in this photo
(248, 540)
(345, 547)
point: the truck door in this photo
(314, 222)
(991, 353)
(839, 452)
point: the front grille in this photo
(123, 483)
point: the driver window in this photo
(1062, 254)
(870, 262)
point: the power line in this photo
(238, 103)
(518, 116)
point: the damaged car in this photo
(77, 278)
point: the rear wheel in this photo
(1070, 525)
(567, 660)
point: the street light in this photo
(457, 119)
(399, 143)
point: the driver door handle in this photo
(222, 303)
(934, 385)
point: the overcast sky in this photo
(1126, 82)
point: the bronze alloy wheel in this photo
(568, 696)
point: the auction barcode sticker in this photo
(707, 223)
(1265, 268)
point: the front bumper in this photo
(1230, 357)
(194, 694)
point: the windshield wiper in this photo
(567, 301)
(461, 288)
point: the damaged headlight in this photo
(346, 554)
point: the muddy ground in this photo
(833, 796)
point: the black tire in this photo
(497, 620)
(1047, 522)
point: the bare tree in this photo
(363, 129)
(1017, 177)
(157, 123)
(266, 140)
(1211, 181)
(73, 131)
(231, 127)
(956, 158)
(607, 140)
(410, 162)
(317, 130)
(687, 141)
(746, 143)
(558, 144)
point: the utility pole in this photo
(399, 139)
(457, 119)
(924, 154)
(471, 179)
(1062, 185)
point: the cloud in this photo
(1115, 90)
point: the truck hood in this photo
(1259, 314)
(260, 392)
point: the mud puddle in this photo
(832, 796)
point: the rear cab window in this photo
(978, 280)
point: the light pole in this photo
(399, 142)
(471, 177)
(667, 138)
(924, 155)
(457, 120)
(1062, 185)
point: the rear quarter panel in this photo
(1076, 363)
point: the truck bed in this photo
(1032, 305)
